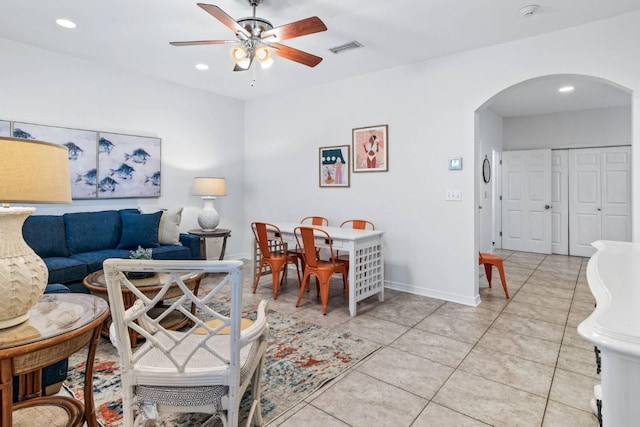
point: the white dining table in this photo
(366, 261)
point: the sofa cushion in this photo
(45, 234)
(92, 231)
(169, 230)
(93, 260)
(64, 270)
(171, 252)
(139, 230)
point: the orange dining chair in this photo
(313, 220)
(276, 259)
(322, 270)
(489, 260)
(358, 224)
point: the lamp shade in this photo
(33, 172)
(205, 186)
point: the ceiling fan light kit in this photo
(257, 38)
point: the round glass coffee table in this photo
(149, 286)
(58, 326)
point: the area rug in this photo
(301, 357)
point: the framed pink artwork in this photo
(371, 149)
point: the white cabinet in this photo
(613, 274)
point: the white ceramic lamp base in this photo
(23, 274)
(208, 219)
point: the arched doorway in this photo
(534, 115)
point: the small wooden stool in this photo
(489, 260)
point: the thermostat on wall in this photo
(455, 163)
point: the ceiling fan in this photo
(257, 38)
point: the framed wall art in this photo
(128, 166)
(82, 153)
(371, 149)
(5, 128)
(334, 166)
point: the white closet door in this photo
(526, 200)
(560, 202)
(600, 197)
(616, 194)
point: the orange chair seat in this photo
(489, 260)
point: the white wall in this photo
(575, 129)
(202, 134)
(490, 127)
(431, 245)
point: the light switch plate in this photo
(453, 195)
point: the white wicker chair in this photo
(187, 371)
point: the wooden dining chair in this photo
(275, 256)
(489, 260)
(322, 270)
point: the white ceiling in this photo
(135, 35)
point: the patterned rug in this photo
(301, 357)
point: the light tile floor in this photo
(516, 362)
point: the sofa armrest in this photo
(192, 242)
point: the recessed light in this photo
(65, 23)
(202, 66)
(566, 89)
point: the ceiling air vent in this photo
(347, 46)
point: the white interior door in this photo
(616, 194)
(526, 200)
(560, 202)
(600, 197)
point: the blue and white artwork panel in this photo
(82, 153)
(128, 166)
(5, 128)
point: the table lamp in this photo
(31, 172)
(208, 188)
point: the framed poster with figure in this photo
(371, 149)
(334, 166)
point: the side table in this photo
(218, 232)
(58, 326)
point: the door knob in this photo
(547, 206)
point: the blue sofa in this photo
(74, 245)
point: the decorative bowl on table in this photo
(140, 253)
(136, 275)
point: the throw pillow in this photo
(139, 230)
(169, 229)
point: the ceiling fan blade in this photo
(221, 16)
(199, 42)
(296, 29)
(295, 55)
